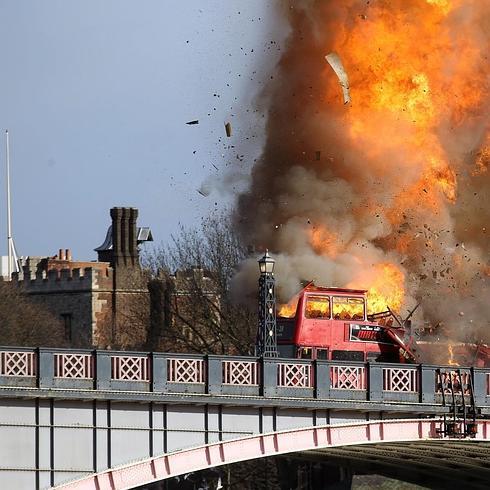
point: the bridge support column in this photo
(102, 435)
(311, 475)
(45, 441)
(326, 477)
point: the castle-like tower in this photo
(104, 303)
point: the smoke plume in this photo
(389, 192)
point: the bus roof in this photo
(312, 288)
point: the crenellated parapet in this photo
(64, 280)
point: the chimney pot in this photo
(61, 254)
(68, 254)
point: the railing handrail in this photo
(163, 372)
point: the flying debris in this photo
(228, 129)
(204, 190)
(335, 62)
(196, 121)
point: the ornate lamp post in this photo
(266, 344)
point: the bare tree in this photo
(24, 322)
(133, 321)
(192, 284)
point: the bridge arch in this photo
(263, 445)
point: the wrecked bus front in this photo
(331, 323)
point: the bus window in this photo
(322, 354)
(317, 307)
(345, 308)
(304, 353)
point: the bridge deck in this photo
(65, 414)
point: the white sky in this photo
(96, 93)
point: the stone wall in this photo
(81, 297)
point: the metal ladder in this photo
(461, 421)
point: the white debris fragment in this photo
(335, 62)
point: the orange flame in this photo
(324, 242)
(288, 310)
(451, 360)
(482, 161)
(398, 59)
(385, 283)
(396, 80)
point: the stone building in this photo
(113, 303)
(104, 303)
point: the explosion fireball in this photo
(388, 192)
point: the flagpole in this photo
(9, 222)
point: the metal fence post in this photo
(102, 370)
(375, 381)
(322, 379)
(480, 386)
(269, 377)
(158, 372)
(46, 368)
(427, 384)
(214, 375)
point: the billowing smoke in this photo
(389, 192)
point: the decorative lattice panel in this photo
(130, 368)
(185, 371)
(73, 366)
(294, 375)
(400, 380)
(348, 378)
(244, 373)
(453, 380)
(17, 364)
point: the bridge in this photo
(75, 419)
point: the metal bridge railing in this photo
(17, 363)
(73, 366)
(233, 375)
(348, 377)
(240, 373)
(401, 380)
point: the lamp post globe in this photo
(266, 264)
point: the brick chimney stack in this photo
(133, 236)
(116, 215)
(124, 237)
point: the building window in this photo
(67, 320)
